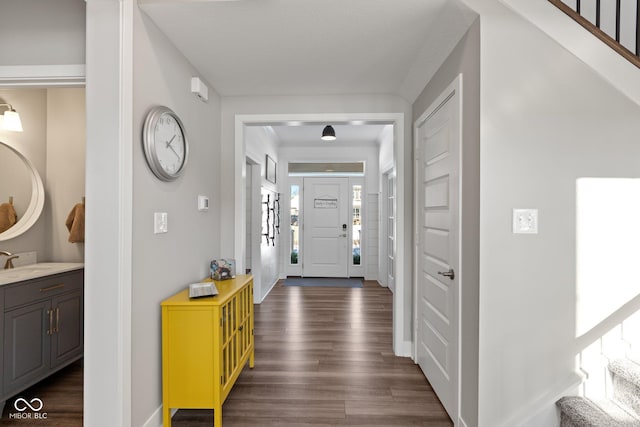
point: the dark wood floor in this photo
(61, 395)
(323, 357)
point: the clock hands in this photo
(170, 141)
(172, 149)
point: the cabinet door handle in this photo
(50, 313)
(56, 329)
(50, 288)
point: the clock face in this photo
(169, 144)
(165, 143)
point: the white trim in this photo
(405, 349)
(42, 75)
(461, 422)
(125, 195)
(108, 254)
(398, 121)
(155, 420)
(267, 293)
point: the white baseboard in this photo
(267, 293)
(405, 350)
(155, 420)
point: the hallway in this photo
(324, 357)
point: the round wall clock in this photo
(165, 143)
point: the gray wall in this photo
(166, 263)
(465, 60)
(42, 32)
(547, 120)
(66, 141)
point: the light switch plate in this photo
(160, 220)
(203, 203)
(525, 221)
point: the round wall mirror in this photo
(21, 187)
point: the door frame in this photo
(402, 318)
(454, 88)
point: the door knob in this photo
(450, 274)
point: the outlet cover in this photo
(525, 221)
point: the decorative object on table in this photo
(203, 289)
(223, 269)
(270, 169)
(75, 223)
(165, 143)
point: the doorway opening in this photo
(392, 155)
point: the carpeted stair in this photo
(621, 410)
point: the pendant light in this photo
(328, 133)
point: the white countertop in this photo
(33, 271)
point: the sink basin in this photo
(33, 271)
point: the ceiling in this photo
(314, 47)
(346, 135)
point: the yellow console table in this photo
(205, 344)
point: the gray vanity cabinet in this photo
(43, 328)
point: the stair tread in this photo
(596, 413)
(626, 369)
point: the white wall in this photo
(547, 120)
(66, 141)
(165, 263)
(261, 141)
(465, 60)
(42, 32)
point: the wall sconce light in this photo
(328, 133)
(11, 119)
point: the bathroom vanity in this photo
(41, 323)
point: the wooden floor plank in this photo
(324, 357)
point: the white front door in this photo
(326, 227)
(438, 136)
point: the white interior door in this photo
(437, 219)
(391, 232)
(326, 227)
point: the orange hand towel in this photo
(75, 224)
(8, 216)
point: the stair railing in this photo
(615, 22)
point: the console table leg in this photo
(252, 359)
(166, 416)
(217, 417)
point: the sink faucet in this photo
(9, 263)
